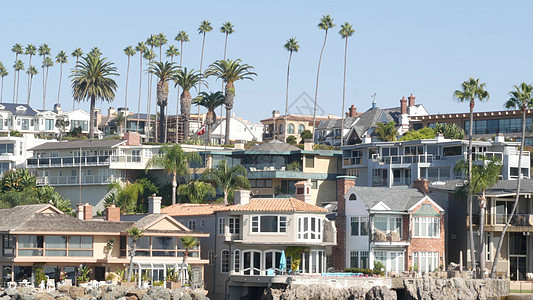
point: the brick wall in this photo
(339, 251)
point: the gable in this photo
(381, 206)
(166, 223)
(50, 210)
(422, 203)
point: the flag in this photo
(202, 130)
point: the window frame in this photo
(281, 223)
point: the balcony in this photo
(75, 180)
(69, 161)
(496, 222)
(403, 159)
(389, 238)
(349, 161)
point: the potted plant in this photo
(83, 276)
(121, 274)
(172, 279)
(145, 279)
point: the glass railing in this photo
(403, 159)
(68, 161)
(73, 180)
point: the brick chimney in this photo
(422, 185)
(132, 138)
(87, 212)
(80, 211)
(411, 100)
(303, 190)
(112, 213)
(353, 111)
(403, 105)
(344, 183)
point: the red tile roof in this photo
(191, 209)
(277, 204)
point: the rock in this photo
(135, 294)
(380, 293)
(159, 292)
(44, 297)
(76, 292)
(63, 288)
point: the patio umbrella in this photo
(282, 262)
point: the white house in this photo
(240, 130)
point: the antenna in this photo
(374, 100)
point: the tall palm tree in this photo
(32, 71)
(152, 41)
(48, 62)
(174, 161)
(520, 98)
(204, 28)
(484, 176)
(210, 101)
(18, 50)
(61, 59)
(227, 29)
(161, 40)
(76, 53)
(141, 48)
(171, 52)
(129, 51)
(44, 52)
(135, 234)
(386, 131)
(31, 50)
(227, 178)
(19, 66)
(93, 80)
(164, 72)
(188, 242)
(291, 46)
(325, 24)
(472, 89)
(345, 32)
(95, 51)
(3, 73)
(181, 37)
(187, 80)
(120, 119)
(230, 71)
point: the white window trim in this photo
(259, 225)
(222, 261)
(318, 230)
(221, 226)
(426, 221)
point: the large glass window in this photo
(80, 246)
(452, 151)
(224, 261)
(266, 224)
(359, 259)
(290, 129)
(392, 260)
(49, 124)
(79, 123)
(7, 149)
(55, 245)
(497, 126)
(359, 226)
(310, 228)
(163, 246)
(426, 261)
(387, 228)
(428, 227)
(30, 245)
(234, 225)
(251, 263)
(8, 244)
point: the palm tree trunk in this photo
(178, 99)
(2, 91)
(287, 96)
(126, 96)
(15, 76)
(74, 102)
(18, 78)
(148, 105)
(60, 77)
(91, 117)
(316, 89)
(29, 67)
(344, 91)
(225, 197)
(140, 87)
(29, 89)
(161, 123)
(230, 95)
(132, 253)
(200, 85)
(518, 182)
(185, 112)
(44, 89)
(482, 210)
(469, 197)
(45, 85)
(222, 106)
(174, 186)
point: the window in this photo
(309, 161)
(352, 172)
(234, 225)
(428, 227)
(377, 172)
(426, 261)
(8, 245)
(301, 128)
(352, 197)
(55, 245)
(224, 261)
(261, 183)
(237, 261)
(6, 149)
(387, 228)
(436, 174)
(49, 124)
(30, 245)
(359, 226)
(4, 167)
(25, 124)
(266, 224)
(272, 260)
(389, 151)
(221, 225)
(163, 246)
(82, 245)
(78, 123)
(452, 151)
(211, 257)
(290, 129)
(192, 225)
(514, 172)
(359, 259)
(309, 228)
(251, 262)
(392, 260)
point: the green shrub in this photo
(368, 272)
(379, 268)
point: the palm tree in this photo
(386, 131)
(61, 59)
(325, 24)
(174, 161)
(3, 73)
(291, 46)
(129, 51)
(32, 71)
(152, 41)
(95, 51)
(196, 191)
(181, 37)
(19, 66)
(135, 234)
(187, 80)
(161, 40)
(230, 71)
(521, 98)
(76, 53)
(171, 52)
(141, 48)
(345, 32)
(484, 176)
(93, 80)
(204, 28)
(210, 101)
(48, 62)
(120, 119)
(164, 72)
(31, 50)
(188, 243)
(18, 50)
(227, 29)
(227, 178)
(44, 51)
(472, 89)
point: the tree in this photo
(93, 79)
(345, 32)
(472, 89)
(174, 161)
(3, 73)
(196, 191)
(181, 37)
(164, 72)
(19, 66)
(18, 50)
(450, 131)
(291, 139)
(230, 71)
(187, 80)
(210, 101)
(188, 242)
(62, 123)
(325, 24)
(44, 51)
(386, 131)
(227, 178)
(129, 51)
(485, 175)
(61, 59)
(203, 29)
(77, 53)
(425, 133)
(306, 134)
(31, 50)
(227, 29)
(520, 98)
(17, 180)
(32, 71)
(161, 40)
(291, 46)
(120, 119)
(135, 234)
(48, 62)
(171, 52)
(152, 41)
(141, 48)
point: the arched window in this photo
(224, 261)
(301, 128)
(211, 257)
(237, 261)
(290, 129)
(353, 197)
(280, 128)
(192, 225)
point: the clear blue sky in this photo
(400, 47)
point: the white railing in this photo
(74, 180)
(403, 159)
(128, 159)
(69, 161)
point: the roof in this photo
(83, 144)
(372, 116)
(276, 205)
(191, 209)
(397, 199)
(292, 117)
(336, 123)
(272, 147)
(12, 107)
(502, 187)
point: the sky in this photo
(400, 47)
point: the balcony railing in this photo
(127, 159)
(389, 236)
(501, 219)
(348, 161)
(75, 180)
(403, 159)
(69, 161)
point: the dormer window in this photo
(21, 108)
(2, 107)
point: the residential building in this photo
(329, 131)
(398, 163)
(25, 119)
(14, 150)
(77, 118)
(401, 228)
(274, 127)
(240, 130)
(39, 235)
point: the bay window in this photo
(427, 227)
(309, 228)
(269, 224)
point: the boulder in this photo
(76, 292)
(380, 293)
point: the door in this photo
(99, 273)
(517, 268)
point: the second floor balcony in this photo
(68, 161)
(404, 159)
(76, 180)
(498, 221)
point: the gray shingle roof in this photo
(13, 217)
(501, 188)
(12, 107)
(397, 199)
(272, 147)
(372, 116)
(336, 123)
(84, 144)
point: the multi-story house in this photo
(401, 228)
(14, 150)
(240, 130)
(274, 127)
(252, 235)
(399, 163)
(41, 236)
(25, 119)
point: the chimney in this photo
(97, 117)
(308, 144)
(403, 105)
(353, 111)
(57, 109)
(422, 185)
(239, 145)
(241, 197)
(373, 103)
(112, 213)
(303, 190)
(411, 100)
(344, 183)
(275, 113)
(331, 116)
(87, 212)
(499, 138)
(80, 211)
(154, 204)
(111, 111)
(440, 137)
(132, 138)
(367, 139)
